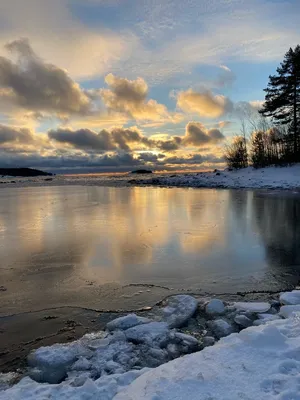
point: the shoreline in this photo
(268, 178)
(66, 323)
(147, 346)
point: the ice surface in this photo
(126, 322)
(152, 333)
(264, 318)
(243, 321)
(252, 307)
(208, 341)
(221, 328)
(179, 310)
(287, 311)
(290, 298)
(215, 307)
(144, 345)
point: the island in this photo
(25, 172)
(141, 171)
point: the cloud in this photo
(225, 78)
(194, 159)
(151, 157)
(63, 38)
(130, 139)
(256, 104)
(197, 135)
(84, 139)
(64, 161)
(170, 144)
(223, 124)
(126, 137)
(119, 149)
(17, 135)
(130, 97)
(205, 104)
(115, 139)
(34, 85)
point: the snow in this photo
(288, 311)
(253, 307)
(259, 363)
(104, 388)
(290, 298)
(214, 307)
(268, 178)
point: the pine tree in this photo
(282, 101)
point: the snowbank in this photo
(267, 178)
(259, 362)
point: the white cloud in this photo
(62, 39)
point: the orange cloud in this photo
(130, 97)
(205, 104)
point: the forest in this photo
(275, 136)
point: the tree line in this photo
(275, 137)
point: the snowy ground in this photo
(265, 178)
(259, 362)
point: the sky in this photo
(116, 85)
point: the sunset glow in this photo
(114, 85)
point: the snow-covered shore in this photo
(248, 178)
(257, 362)
(285, 178)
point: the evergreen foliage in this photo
(282, 101)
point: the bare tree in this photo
(236, 153)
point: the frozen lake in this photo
(81, 245)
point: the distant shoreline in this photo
(270, 178)
(23, 172)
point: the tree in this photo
(282, 100)
(236, 153)
(258, 152)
